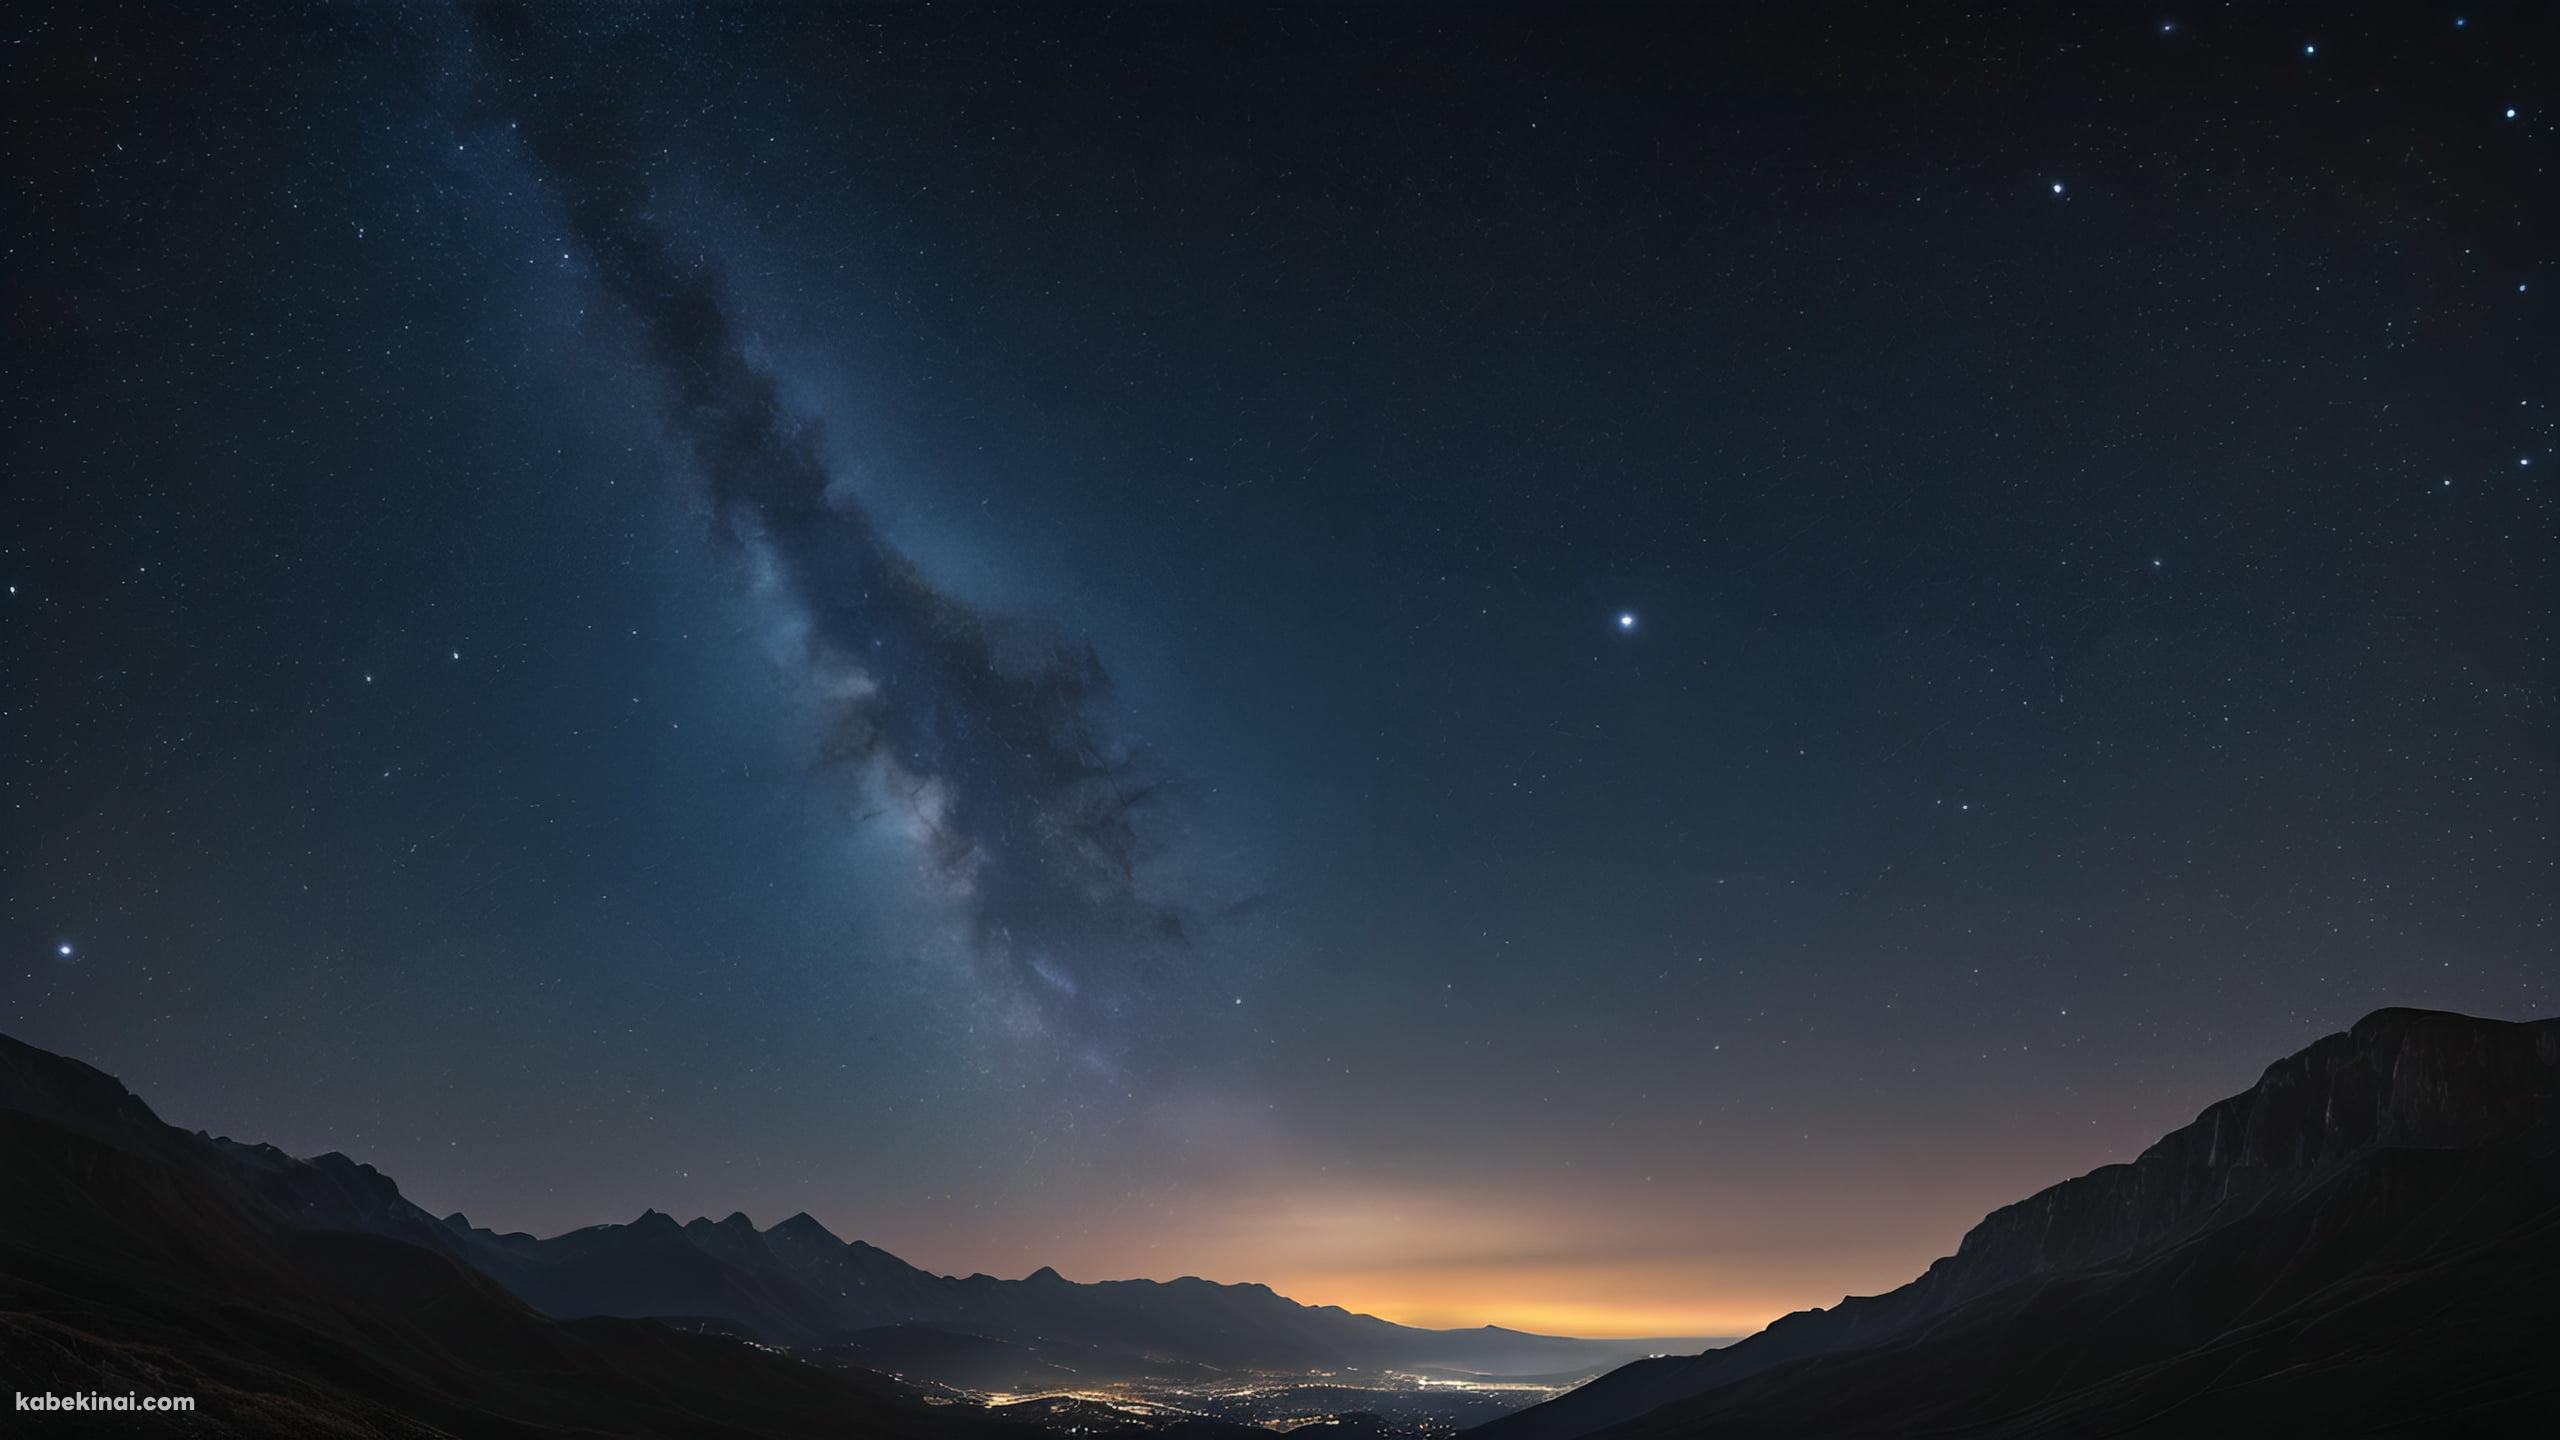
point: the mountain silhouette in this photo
(799, 1284)
(795, 1284)
(135, 1258)
(2365, 1241)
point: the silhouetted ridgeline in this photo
(2370, 1234)
(138, 1259)
(2366, 1241)
(134, 1252)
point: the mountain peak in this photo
(1044, 1276)
(2394, 1015)
(345, 1164)
(804, 1226)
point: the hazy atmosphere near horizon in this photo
(1597, 670)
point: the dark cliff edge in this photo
(2394, 1096)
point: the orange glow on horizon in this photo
(1597, 1319)
(1448, 1263)
(1718, 1256)
(1598, 1300)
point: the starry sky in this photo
(1599, 670)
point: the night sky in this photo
(1604, 672)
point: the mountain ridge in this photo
(2363, 1240)
(796, 1283)
(162, 1270)
(2398, 1080)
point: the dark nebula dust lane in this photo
(994, 735)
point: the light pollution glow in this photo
(1722, 1259)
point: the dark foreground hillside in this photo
(2366, 1242)
(125, 1273)
(309, 1296)
(137, 1258)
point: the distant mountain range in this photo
(798, 1284)
(2367, 1241)
(794, 1284)
(136, 1260)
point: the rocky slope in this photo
(2356, 1126)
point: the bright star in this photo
(63, 949)
(2511, 112)
(2057, 187)
(2310, 49)
(1626, 619)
